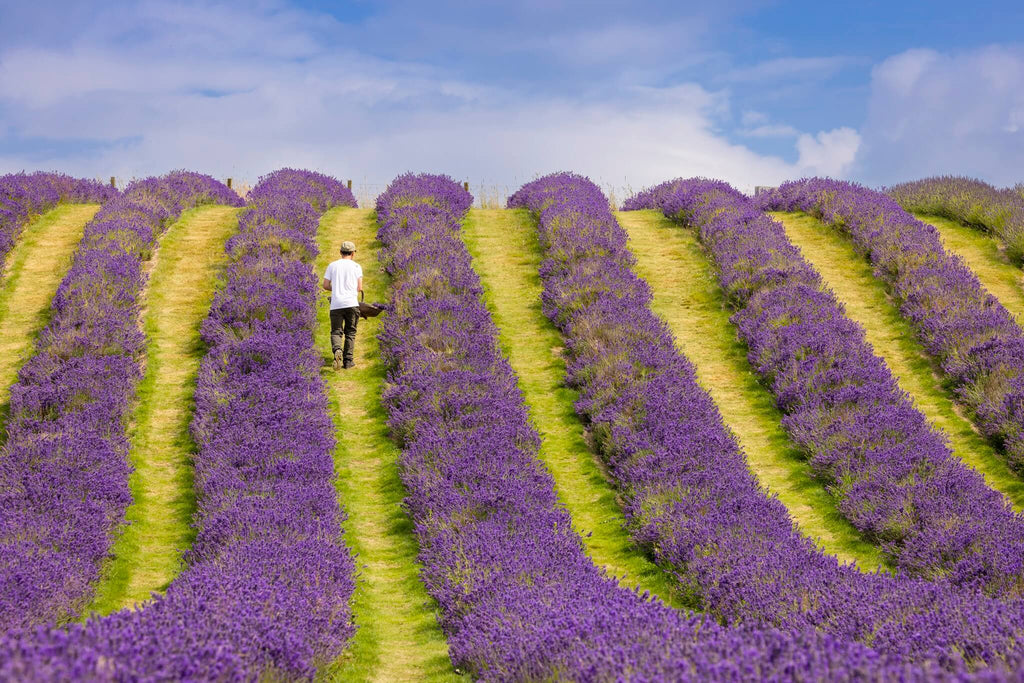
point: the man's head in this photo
(348, 248)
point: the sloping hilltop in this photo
(706, 436)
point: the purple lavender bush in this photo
(267, 589)
(970, 201)
(23, 195)
(690, 498)
(64, 468)
(893, 476)
(977, 343)
(518, 597)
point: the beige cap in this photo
(348, 246)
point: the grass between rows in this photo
(688, 298)
(147, 555)
(398, 638)
(506, 255)
(892, 337)
(34, 269)
(981, 252)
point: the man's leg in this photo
(351, 322)
(337, 335)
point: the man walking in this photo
(344, 280)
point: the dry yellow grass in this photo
(981, 252)
(147, 555)
(506, 254)
(850, 276)
(687, 296)
(398, 638)
(35, 266)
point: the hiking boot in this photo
(349, 364)
(337, 360)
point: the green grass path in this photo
(506, 254)
(981, 252)
(688, 298)
(867, 302)
(34, 268)
(147, 554)
(398, 638)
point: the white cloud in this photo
(932, 113)
(771, 130)
(789, 67)
(902, 72)
(605, 44)
(829, 152)
(753, 118)
(312, 104)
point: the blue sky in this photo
(496, 93)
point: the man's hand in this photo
(326, 284)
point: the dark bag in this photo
(368, 310)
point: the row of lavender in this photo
(892, 474)
(269, 579)
(690, 497)
(970, 201)
(64, 468)
(23, 195)
(975, 340)
(519, 599)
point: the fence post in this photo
(113, 183)
(349, 183)
(228, 183)
(465, 186)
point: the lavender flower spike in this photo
(977, 343)
(893, 476)
(23, 195)
(64, 468)
(690, 498)
(267, 589)
(518, 597)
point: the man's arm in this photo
(359, 285)
(326, 284)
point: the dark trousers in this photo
(343, 331)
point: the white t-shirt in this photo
(344, 275)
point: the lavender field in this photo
(699, 435)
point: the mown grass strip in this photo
(867, 302)
(688, 298)
(982, 254)
(147, 554)
(506, 255)
(398, 638)
(35, 266)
